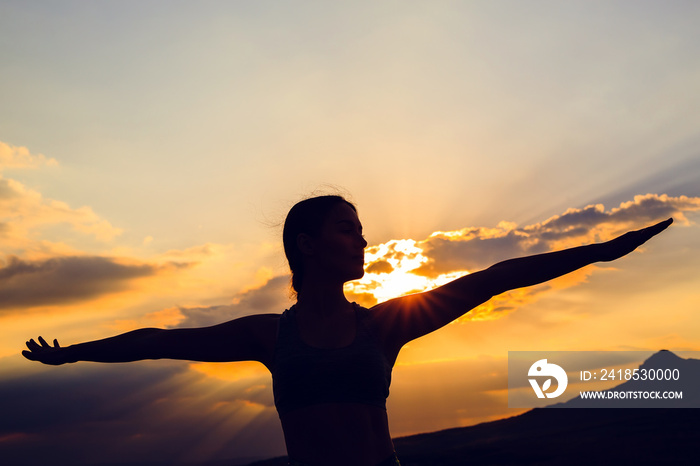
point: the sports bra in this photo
(303, 375)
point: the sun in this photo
(392, 268)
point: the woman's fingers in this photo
(659, 227)
(654, 230)
(665, 224)
(34, 346)
(623, 245)
(43, 351)
(33, 350)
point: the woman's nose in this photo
(364, 242)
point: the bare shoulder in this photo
(258, 327)
(256, 322)
(267, 326)
(400, 320)
(384, 320)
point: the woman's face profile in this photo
(340, 246)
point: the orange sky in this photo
(144, 178)
(454, 377)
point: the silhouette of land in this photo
(551, 436)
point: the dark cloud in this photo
(642, 210)
(475, 249)
(449, 255)
(578, 219)
(149, 411)
(272, 297)
(380, 266)
(651, 207)
(64, 279)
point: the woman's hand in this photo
(622, 245)
(45, 353)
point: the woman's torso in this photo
(341, 434)
(331, 401)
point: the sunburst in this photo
(392, 270)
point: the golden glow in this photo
(231, 372)
(390, 271)
(160, 319)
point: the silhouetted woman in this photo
(330, 359)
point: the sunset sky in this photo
(149, 152)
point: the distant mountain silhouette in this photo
(549, 436)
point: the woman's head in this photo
(307, 220)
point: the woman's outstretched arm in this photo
(246, 339)
(531, 270)
(406, 318)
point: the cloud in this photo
(26, 214)
(149, 411)
(593, 219)
(477, 248)
(62, 280)
(20, 157)
(380, 266)
(272, 297)
(473, 251)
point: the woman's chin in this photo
(355, 275)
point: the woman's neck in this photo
(322, 301)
